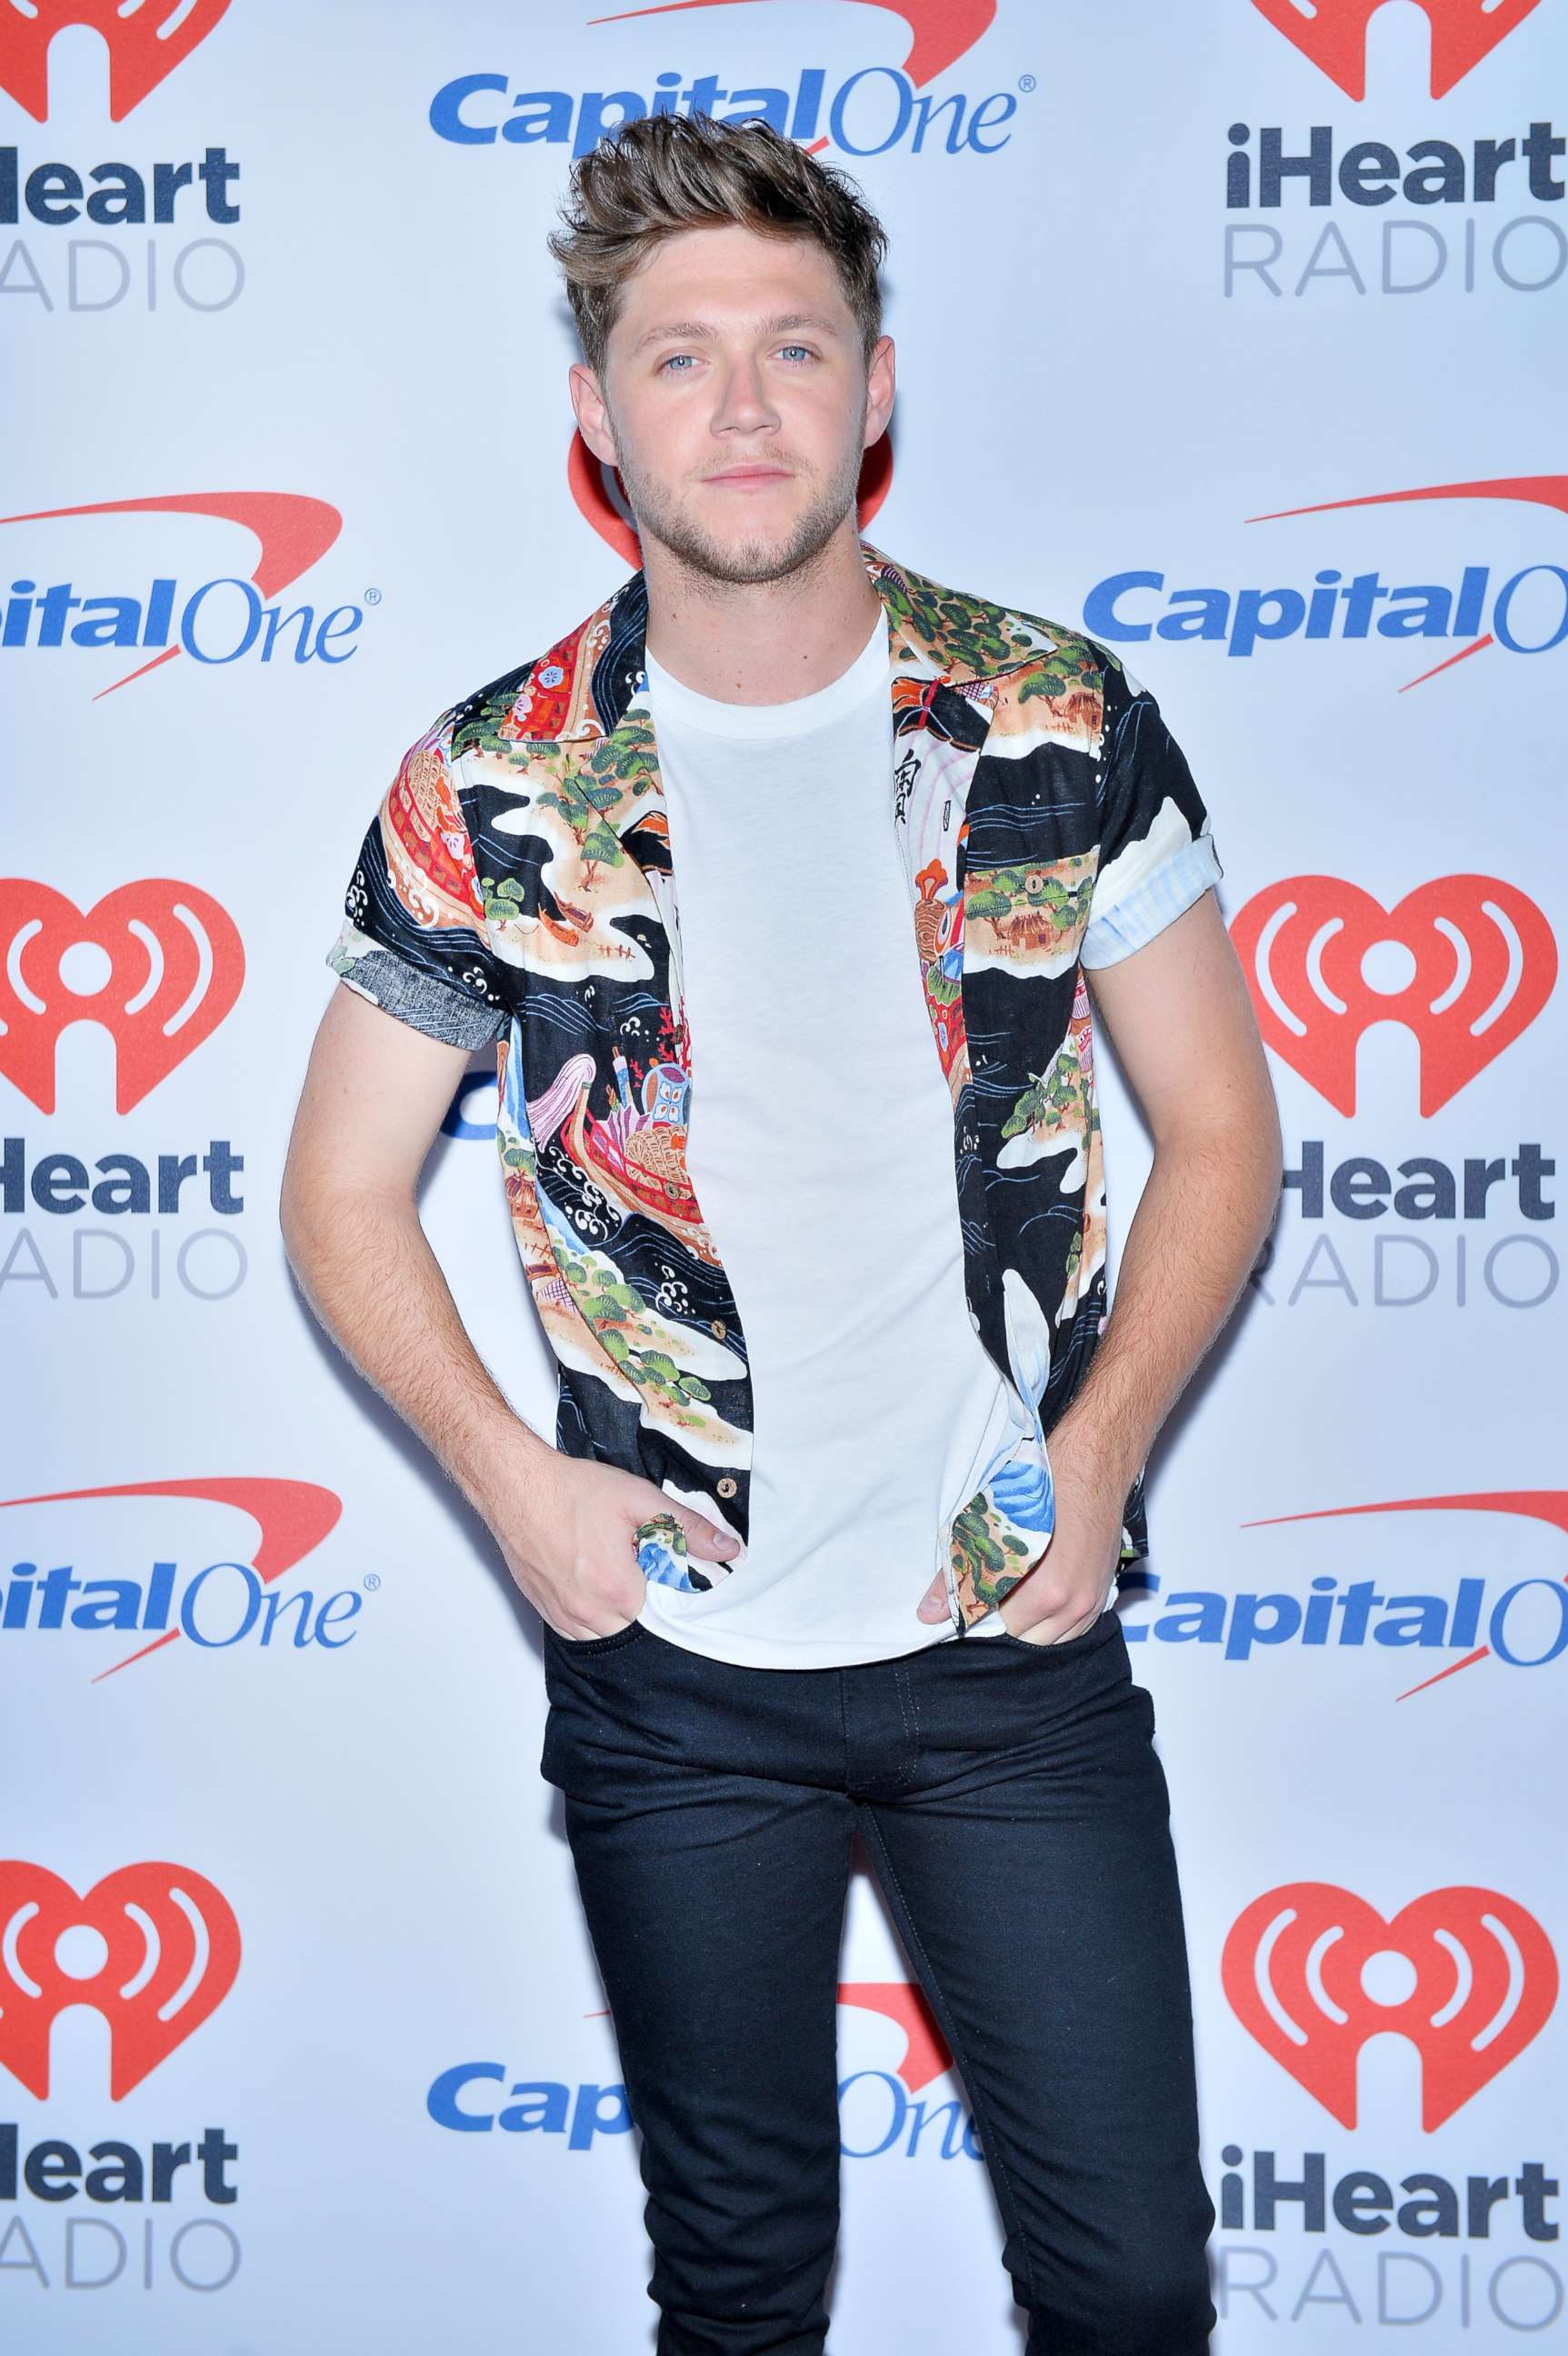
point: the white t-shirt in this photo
(814, 1075)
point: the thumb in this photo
(686, 1532)
(704, 1537)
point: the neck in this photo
(764, 641)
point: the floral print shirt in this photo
(515, 885)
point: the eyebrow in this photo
(685, 331)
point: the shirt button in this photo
(724, 1484)
(717, 1328)
(974, 1319)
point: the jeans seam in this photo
(900, 1680)
(940, 2006)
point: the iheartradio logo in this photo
(153, 1948)
(1312, 1972)
(145, 43)
(598, 491)
(1464, 963)
(145, 40)
(1332, 34)
(158, 963)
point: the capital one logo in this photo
(291, 530)
(869, 110)
(940, 32)
(145, 40)
(926, 2054)
(1464, 963)
(1312, 1971)
(1333, 34)
(158, 963)
(153, 1948)
(291, 1518)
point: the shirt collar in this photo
(586, 684)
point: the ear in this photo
(592, 416)
(879, 389)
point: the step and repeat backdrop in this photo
(1231, 334)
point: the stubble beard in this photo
(660, 515)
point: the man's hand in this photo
(1182, 1022)
(1070, 1586)
(568, 1536)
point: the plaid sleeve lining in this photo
(1114, 933)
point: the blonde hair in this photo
(664, 173)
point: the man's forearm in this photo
(366, 1267)
(1201, 1223)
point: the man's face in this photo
(735, 400)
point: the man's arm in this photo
(375, 1093)
(1183, 1025)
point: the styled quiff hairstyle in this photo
(664, 173)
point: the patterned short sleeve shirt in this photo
(515, 885)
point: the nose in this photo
(744, 405)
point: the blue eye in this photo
(670, 360)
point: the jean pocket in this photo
(1108, 1624)
(579, 1645)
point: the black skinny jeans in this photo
(1016, 1816)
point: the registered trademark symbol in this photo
(1025, 82)
(372, 598)
(373, 1580)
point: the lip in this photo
(740, 476)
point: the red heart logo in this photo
(1479, 964)
(171, 1950)
(1333, 34)
(1311, 1971)
(175, 963)
(139, 57)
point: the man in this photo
(776, 883)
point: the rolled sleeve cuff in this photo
(437, 1008)
(1114, 933)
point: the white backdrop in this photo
(247, 2088)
